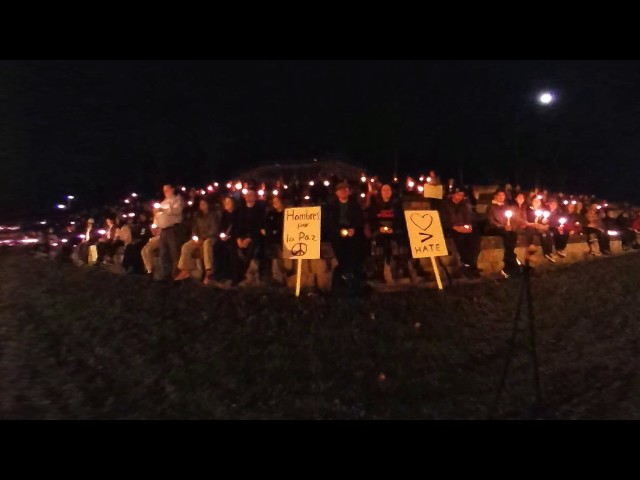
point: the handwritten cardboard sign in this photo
(425, 233)
(432, 191)
(301, 235)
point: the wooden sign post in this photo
(301, 236)
(426, 237)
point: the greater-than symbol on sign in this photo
(299, 249)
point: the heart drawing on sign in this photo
(423, 222)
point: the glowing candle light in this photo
(538, 213)
(70, 197)
(134, 195)
(327, 183)
(215, 184)
(508, 214)
(539, 197)
(363, 179)
(238, 185)
(244, 191)
(286, 187)
(184, 189)
(261, 192)
(102, 231)
(194, 238)
(64, 240)
(411, 184)
(612, 233)
(307, 197)
(362, 195)
(421, 178)
(428, 179)
(202, 192)
(311, 183)
(275, 193)
(566, 202)
(344, 232)
(229, 185)
(131, 215)
(386, 229)
(153, 225)
(72, 223)
(126, 200)
(573, 202)
(43, 223)
(420, 188)
(546, 214)
(82, 235)
(156, 205)
(190, 202)
(210, 188)
(61, 207)
(223, 235)
(562, 221)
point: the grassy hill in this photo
(83, 343)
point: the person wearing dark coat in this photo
(499, 224)
(343, 226)
(456, 223)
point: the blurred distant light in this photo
(275, 193)
(260, 192)
(43, 223)
(70, 197)
(545, 98)
(134, 195)
(131, 215)
(311, 183)
(239, 185)
(127, 201)
(215, 184)
(210, 188)
(326, 183)
(184, 189)
(307, 197)
(244, 191)
(362, 195)
(61, 207)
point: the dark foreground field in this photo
(79, 343)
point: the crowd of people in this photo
(228, 228)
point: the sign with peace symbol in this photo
(299, 249)
(301, 233)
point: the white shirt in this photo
(170, 212)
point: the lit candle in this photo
(508, 214)
(307, 197)
(326, 183)
(386, 229)
(184, 189)
(410, 184)
(229, 185)
(573, 202)
(64, 240)
(61, 207)
(467, 227)
(215, 184)
(420, 188)
(190, 202)
(562, 221)
(153, 225)
(223, 235)
(362, 195)
(363, 179)
(134, 195)
(428, 179)
(238, 185)
(102, 231)
(261, 192)
(344, 232)
(210, 188)
(202, 192)
(566, 202)
(546, 214)
(275, 193)
(311, 183)
(131, 215)
(194, 238)
(286, 187)
(538, 213)
(244, 191)
(126, 200)
(156, 205)
(421, 178)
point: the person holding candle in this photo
(206, 226)
(225, 248)
(343, 226)
(387, 230)
(169, 217)
(538, 225)
(559, 227)
(498, 224)
(456, 223)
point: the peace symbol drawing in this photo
(423, 222)
(299, 249)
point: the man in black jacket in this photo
(344, 228)
(456, 222)
(499, 224)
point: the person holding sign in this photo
(456, 221)
(344, 228)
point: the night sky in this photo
(101, 129)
